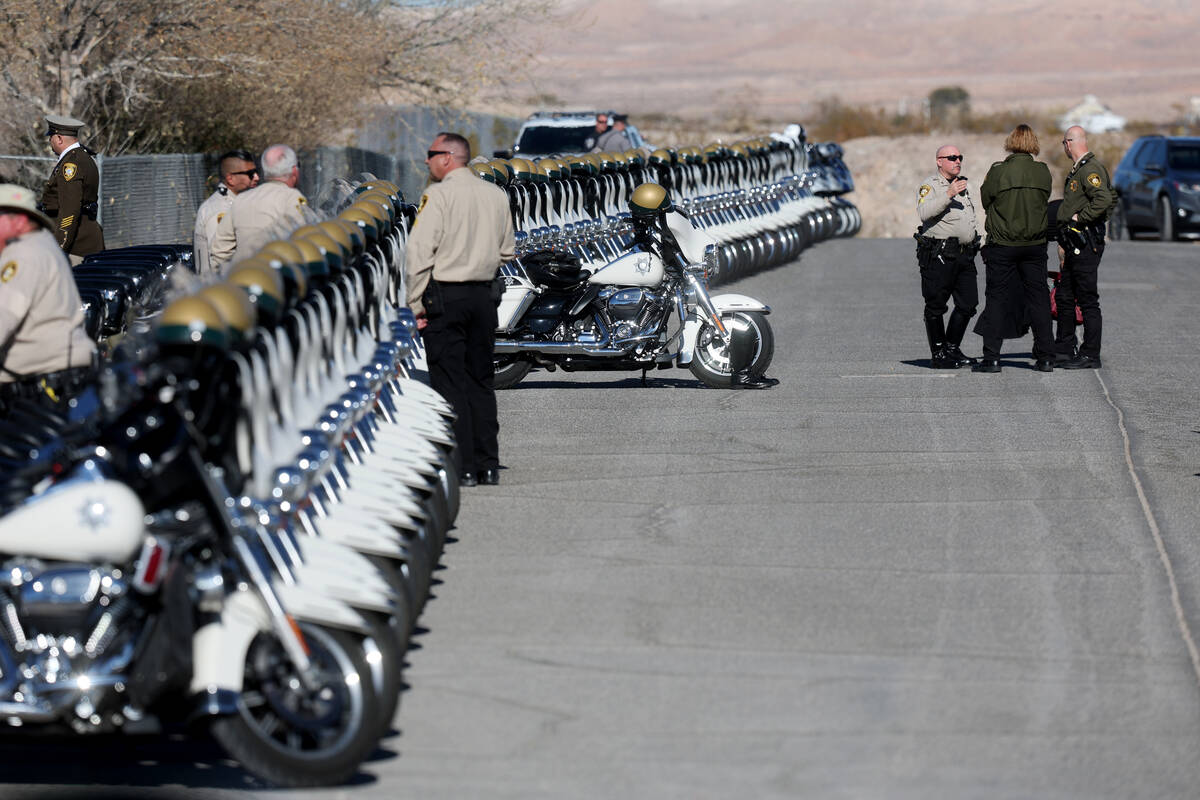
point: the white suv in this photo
(551, 133)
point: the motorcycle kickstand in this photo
(645, 384)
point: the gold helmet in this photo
(379, 206)
(263, 287)
(523, 169)
(365, 221)
(483, 169)
(648, 200)
(312, 257)
(339, 233)
(192, 320)
(235, 309)
(662, 157)
(358, 237)
(286, 261)
(391, 190)
(503, 170)
(333, 251)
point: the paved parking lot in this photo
(875, 580)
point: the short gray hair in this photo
(277, 161)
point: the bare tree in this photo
(150, 75)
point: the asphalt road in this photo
(875, 580)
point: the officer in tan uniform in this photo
(947, 242)
(270, 210)
(71, 196)
(462, 234)
(1088, 199)
(238, 174)
(45, 354)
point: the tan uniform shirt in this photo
(943, 217)
(268, 211)
(41, 314)
(463, 232)
(208, 216)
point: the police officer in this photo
(238, 174)
(947, 242)
(45, 353)
(72, 194)
(463, 232)
(273, 208)
(1088, 199)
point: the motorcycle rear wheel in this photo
(295, 737)
(710, 361)
(510, 373)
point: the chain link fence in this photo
(152, 199)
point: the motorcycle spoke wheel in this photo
(293, 736)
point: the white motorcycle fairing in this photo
(637, 268)
(723, 303)
(79, 519)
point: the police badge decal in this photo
(69, 171)
(1094, 180)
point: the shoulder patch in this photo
(8, 272)
(1094, 179)
(69, 171)
(1074, 187)
(424, 200)
(925, 189)
(220, 217)
(302, 201)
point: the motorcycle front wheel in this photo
(293, 736)
(710, 361)
(510, 372)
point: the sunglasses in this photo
(431, 153)
(249, 173)
(952, 158)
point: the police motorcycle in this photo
(136, 591)
(648, 308)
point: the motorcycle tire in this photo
(385, 658)
(710, 361)
(271, 736)
(509, 374)
(406, 614)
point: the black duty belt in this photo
(51, 384)
(951, 246)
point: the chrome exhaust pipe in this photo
(508, 346)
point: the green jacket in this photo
(1088, 192)
(1015, 193)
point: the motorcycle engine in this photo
(634, 313)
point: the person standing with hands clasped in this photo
(1015, 195)
(946, 245)
(1088, 199)
(463, 233)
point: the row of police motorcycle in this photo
(617, 252)
(236, 526)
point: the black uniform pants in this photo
(1078, 286)
(458, 346)
(1016, 297)
(944, 276)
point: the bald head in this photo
(280, 164)
(1075, 142)
(949, 161)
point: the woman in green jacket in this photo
(1015, 194)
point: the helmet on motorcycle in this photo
(549, 168)
(662, 158)
(192, 320)
(312, 258)
(342, 236)
(263, 288)
(286, 262)
(649, 200)
(581, 166)
(332, 251)
(391, 190)
(235, 309)
(355, 234)
(484, 170)
(503, 170)
(367, 223)
(522, 170)
(374, 197)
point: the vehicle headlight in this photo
(1189, 188)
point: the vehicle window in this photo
(1184, 156)
(1158, 154)
(546, 140)
(1137, 155)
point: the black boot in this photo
(954, 337)
(935, 331)
(741, 353)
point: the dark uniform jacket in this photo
(1015, 194)
(70, 197)
(1088, 192)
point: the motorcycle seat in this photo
(556, 270)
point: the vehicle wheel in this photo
(1117, 229)
(509, 373)
(406, 613)
(710, 361)
(1166, 220)
(297, 737)
(385, 658)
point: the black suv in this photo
(1158, 188)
